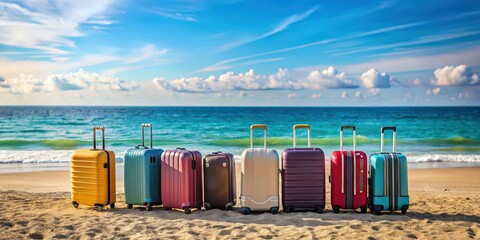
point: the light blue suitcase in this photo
(142, 174)
(388, 179)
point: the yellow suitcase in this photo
(92, 173)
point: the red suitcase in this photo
(303, 177)
(348, 177)
(181, 179)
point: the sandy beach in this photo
(444, 205)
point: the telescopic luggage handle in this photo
(146, 125)
(383, 129)
(95, 137)
(307, 126)
(354, 130)
(261, 126)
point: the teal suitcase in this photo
(142, 174)
(388, 179)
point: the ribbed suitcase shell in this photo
(379, 182)
(219, 181)
(303, 179)
(181, 174)
(259, 188)
(90, 177)
(142, 176)
(358, 199)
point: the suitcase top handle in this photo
(307, 126)
(146, 125)
(95, 137)
(256, 126)
(394, 129)
(354, 130)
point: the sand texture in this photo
(445, 204)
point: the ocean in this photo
(43, 137)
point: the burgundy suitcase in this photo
(219, 181)
(303, 177)
(348, 177)
(181, 174)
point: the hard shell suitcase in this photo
(303, 177)
(181, 184)
(388, 179)
(259, 178)
(219, 181)
(348, 177)
(142, 174)
(92, 174)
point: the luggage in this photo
(348, 177)
(219, 181)
(259, 186)
(142, 174)
(92, 173)
(388, 179)
(303, 177)
(181, 184)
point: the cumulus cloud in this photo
(374, 79)
(328, 78)
(317, 95)
(432, 92)
(460, 75)
(344, 94)
(68, 81)
(292, 95)
(250, 81)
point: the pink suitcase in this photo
(181, 179)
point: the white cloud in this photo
(436, 91)
(317, 95)
(432, 92)
(250, 81)
(70, 81)
(279, 28)
(374, 91)
(460, 75)
(374, 79)
(344, 94)
(146, 52)
(292, 95)
(359, 94)
(48, 26)
(176, 14)
(328, 78)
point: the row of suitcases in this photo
(180, 179)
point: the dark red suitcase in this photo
(303, 177)
(348, 177)
(181, 174)
(219, 184)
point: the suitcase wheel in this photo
(187, 210)
(319, 209)
(288, 209)
(229, 206)
(149, 207)
(336, 209)
(99, 208)
(207, 206)
(75, 204)
(377, 209)
(274, 210)
(112, 205)
(129, 206)
(245, 210)
(404, 209)
(363, 209)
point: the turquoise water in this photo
(422, 131)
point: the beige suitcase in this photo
(259, 190)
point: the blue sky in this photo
(349, 53)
